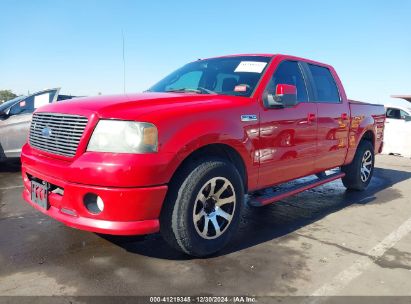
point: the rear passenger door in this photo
(333, 118)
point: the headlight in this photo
(119, 136)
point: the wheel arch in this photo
(214, 150)
(369, 136)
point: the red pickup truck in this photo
(184, 157)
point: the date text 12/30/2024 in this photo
(204, 299)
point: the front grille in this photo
(57, 133)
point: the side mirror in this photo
(407, 118)
(285, 96)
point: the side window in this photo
(403, 114)
(289, 72)
(23, 107)
(189, 80)
(32, 102)
(393, 113)
(325, 88)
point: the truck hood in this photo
(130, 106)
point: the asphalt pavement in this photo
(325, 242)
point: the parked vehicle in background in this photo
(15, 118)
(181, 157)
(397, 132)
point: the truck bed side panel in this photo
(365, 117)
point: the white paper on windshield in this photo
(41, 100)
(251, 66)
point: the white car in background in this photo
(397, 132)
(15, 119)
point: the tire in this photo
(356, 177)
(193, 213)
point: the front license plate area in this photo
(39, 194)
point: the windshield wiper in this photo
(184, 90)
(199, 90)
(204, 90)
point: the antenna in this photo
(124, 64)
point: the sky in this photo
(77, 44)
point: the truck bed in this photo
(363, 114)
(357, 102)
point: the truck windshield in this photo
(226, 75)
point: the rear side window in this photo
(325, 88)
(288, 72)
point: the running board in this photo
(263, 200)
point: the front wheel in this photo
(358, 174)
(203, 208)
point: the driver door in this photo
(15, 127)
(288, 136)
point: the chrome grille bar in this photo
(57, 133)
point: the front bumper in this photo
(127, 211)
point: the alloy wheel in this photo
(214, 208)
(366, 166)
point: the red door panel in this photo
(333, 127)
(288, 143)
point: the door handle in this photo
(311, 117)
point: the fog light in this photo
(93, 203)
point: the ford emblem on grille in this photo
(46, 132)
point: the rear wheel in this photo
(203, 207)
(358, 174)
